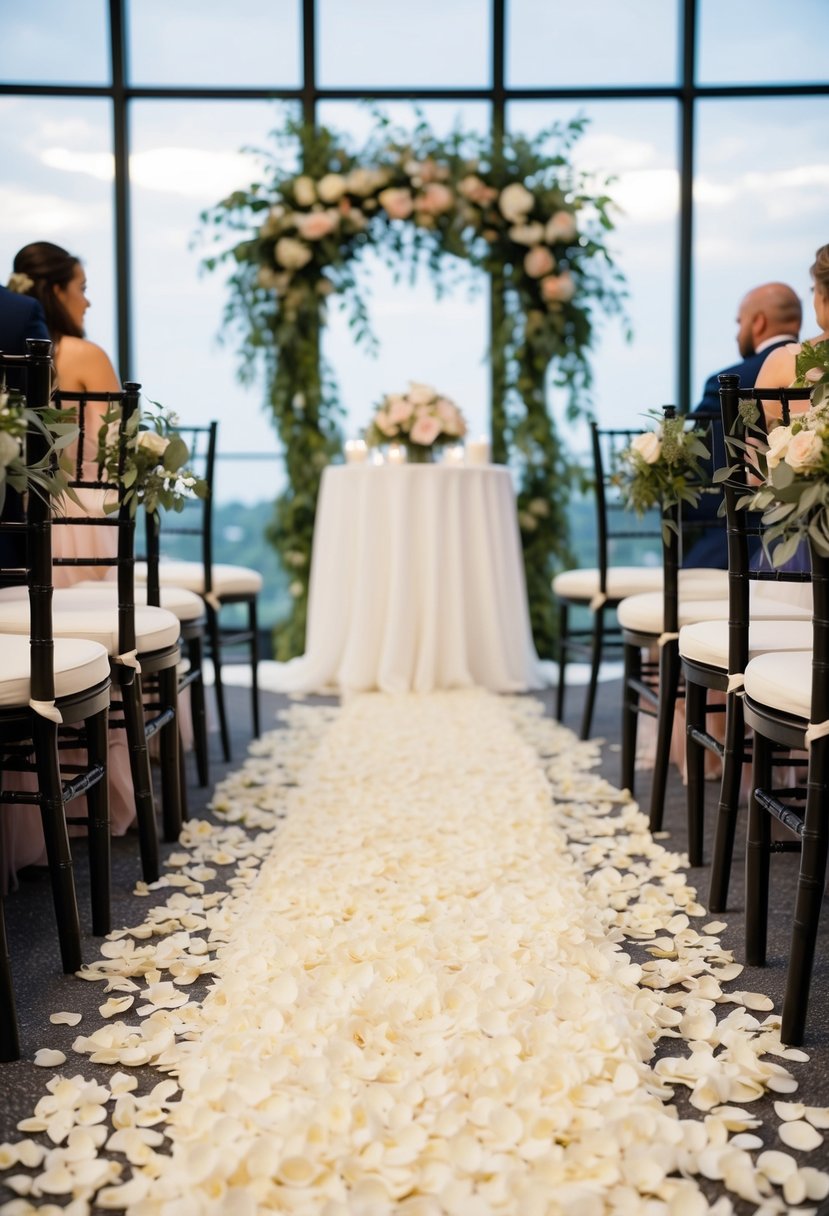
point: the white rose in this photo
(292, 254)
(515, 202)
(804, 451)
(421, 394)
(648, 445)
(153, 443)
(331, 188)
(304, 191)
(779, 440)
(9, 448)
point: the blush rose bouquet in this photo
(421, 418)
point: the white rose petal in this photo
(45, 1057)
(800, 1135)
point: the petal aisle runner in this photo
(421, 1003)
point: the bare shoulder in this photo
(778, 369)
(84, 365)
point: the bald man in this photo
(768, 316)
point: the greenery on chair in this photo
(513, 207)
(44, 476)
(663, 467)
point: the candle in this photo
(355, 451)
(377, 457)
(453, 455)
(478, 451)
(396, 453)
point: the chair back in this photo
(33, 372)
(195, 520)
(90, 474)
(741, 526)
(615, 527)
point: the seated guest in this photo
(20, 318)
(769, 317)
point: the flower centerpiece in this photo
(794, 464)
(421, 419)
(663, 467)
(155, 473)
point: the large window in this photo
(713, 129)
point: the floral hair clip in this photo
(21, 283)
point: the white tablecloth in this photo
(417, 583)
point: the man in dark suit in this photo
(769, 316)
(21, 317)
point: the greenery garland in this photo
(512, 207)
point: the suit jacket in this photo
(711, 549)
(21, 317)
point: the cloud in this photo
(25, 213)
(99, 165)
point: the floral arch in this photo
(513, 207)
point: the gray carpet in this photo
(42, 989)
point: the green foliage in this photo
(663, 467)
(44, 476)
(514, 208)
(154, 470)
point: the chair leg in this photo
(197, 709)
(695, 703)
(630, 713)
(758, 849)
(97, 798)
(596, 647)
(170, 758)
(142, 781)
(728, 808)
(254, 666)
(9, 1034)
(810, 885)
(563, 642)
(668, 685)
(56, 835)
(216, 655)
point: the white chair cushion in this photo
(78, 664)
(91, 615)
(227, 580)
(635, 580)
(782, 681)
(643, 613)
(186, 605)
(707, 641)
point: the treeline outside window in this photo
(194, 79)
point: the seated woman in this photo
(56, 279)
(58, 282)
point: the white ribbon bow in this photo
(129, 659)
(47, 709)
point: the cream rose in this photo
(153, 443)
(396, 202)
(515, 203)
(291, 254)
(435, 199)
(527, 234)
(804, 451)
(331, 187)
(399, 408)
(648, 446)
(421, 394)
(779, 440)
(539, 262)
(305, 191)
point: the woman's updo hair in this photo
(48, 266)
(820, 270)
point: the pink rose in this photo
(317, 224)
(450, 417)
(561, 227)
(813, 375)
(425, 430)
(538, 262)
(384, 424)
(435, 199)
(558, 288)
(397, 203)
(804, 451)
(476, 191)
(400, 410)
